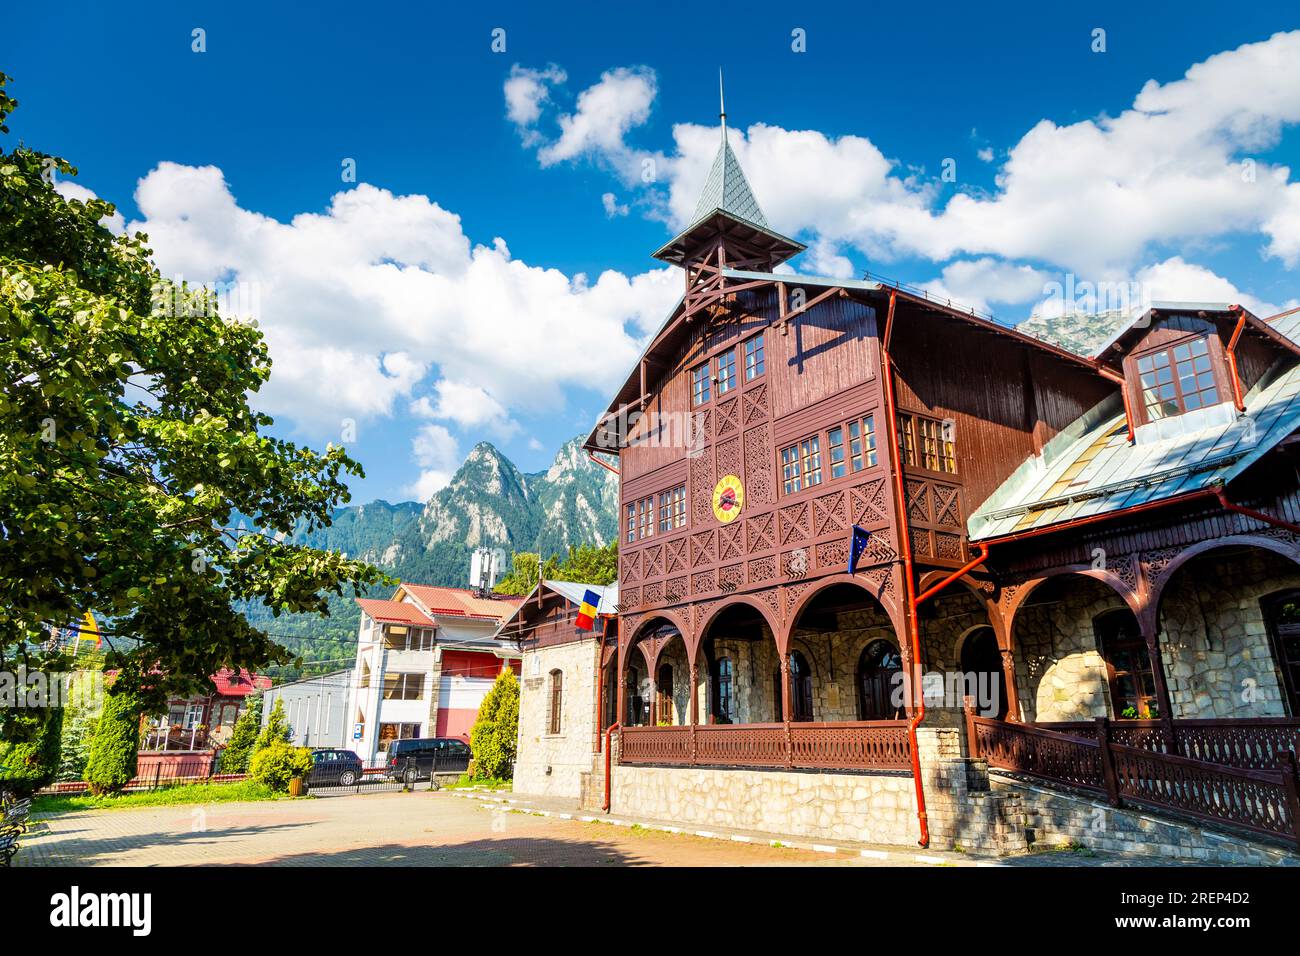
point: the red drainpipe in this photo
(1123, 391)
(1232, 358)
(1222, 494)
(603, 464)
(905, 547)
(608, 750)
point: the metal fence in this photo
(379, 777)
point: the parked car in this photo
(417, 758)
(331, 767)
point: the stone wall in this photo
(1060, 674)
(553, 764)
(1218, 660)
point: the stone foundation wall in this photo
(553, 764)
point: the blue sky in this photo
(390, 304)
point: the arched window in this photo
(1128, 664)
(724, 701)
(557, 701)
(879, 670)
(664, 695)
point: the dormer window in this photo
(1178, 379)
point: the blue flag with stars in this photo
(857, 546)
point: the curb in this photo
(895, 856)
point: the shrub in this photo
(495, 737)
(30, 752)
(234, 759)
(115, 743)
(276, 764)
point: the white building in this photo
(316, 707)
(425, 660)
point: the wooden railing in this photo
(871, 745)
(1265, 800)
(1252, 744)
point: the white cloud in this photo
(980, 283)
(526, 92)
(985, 155)
(613, 208)
(605, 112)
(1093, 197)
(436, 452)
(470, 406)
(360, 302)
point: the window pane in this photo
(700, 383)
(810, 452)
(869, 440)
(836, 439)
(726, 371)
(790, 469)
(754, 363)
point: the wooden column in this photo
(695, 697)
(785, 706)
(1009, 684)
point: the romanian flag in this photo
(586, 619)
(90, 631)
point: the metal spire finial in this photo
(722, 107)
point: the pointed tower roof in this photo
(727, 207)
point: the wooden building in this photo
(1079, 561)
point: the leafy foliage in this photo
(31, 742)
(494, 738)
(277, 729)
(243, 737)
(116, 740)
(128, 447)
(275, 765)
(80, 716)
(586, 563)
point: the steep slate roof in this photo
(728, 190)
(1091, 469)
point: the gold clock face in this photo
(728, 498)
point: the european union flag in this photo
(857, 546)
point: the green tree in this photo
(116, 741)
(494, 739)
(587, 563)
(135, 477)
(31, 736)
(80, 715)
(276, 731)
(243, 737)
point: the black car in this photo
(331, 767)
(418, 758)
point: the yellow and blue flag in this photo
(90, 631)
(586, 619)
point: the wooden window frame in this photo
(913, 436)
(1106, 648)
(555, 703)
(701, 383)
(1218, 383)
(672, 509)
(732, 379)
(755, 345)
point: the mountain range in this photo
(489, 502)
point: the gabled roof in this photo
(459, 602)
(1114, 348)
(230, 683)
(571, 591)
(394, 612)
(1091, 469)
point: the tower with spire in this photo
(728, 230)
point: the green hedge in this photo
(113, 748)
(276, 764)
(494, 738)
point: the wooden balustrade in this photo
(870, 745)
(1251, 744)
(1100, 759)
